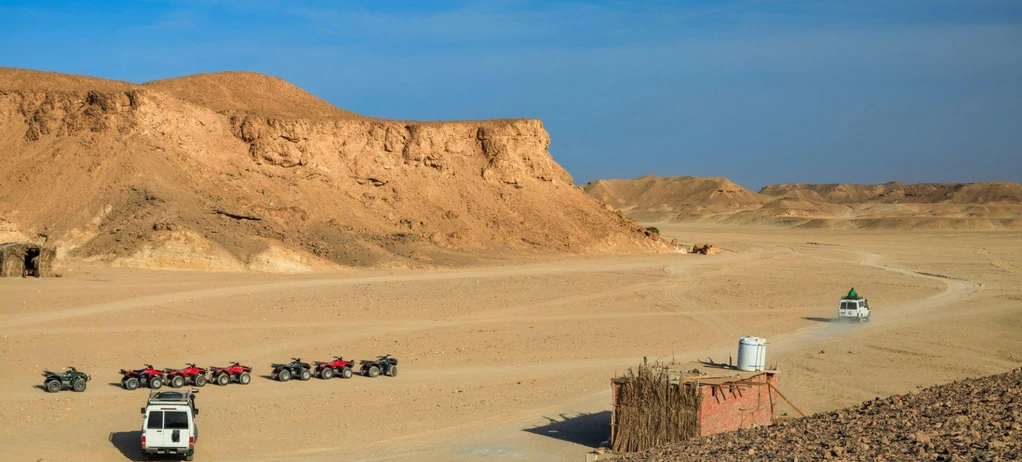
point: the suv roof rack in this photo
(172, 397)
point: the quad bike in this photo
(385, 364)
(233, 373)
(147, 377)
(327, 370)
(71, 378)
(190, 375)
(295, 368)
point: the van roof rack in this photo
(172, 397)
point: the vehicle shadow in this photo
(586, 429)
(820, 319)
(116, 384)
(39, 387)
(267, 377)
(129, 443)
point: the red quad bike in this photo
(326, 370)
(147, 377)
(191, 375)
(233, 373)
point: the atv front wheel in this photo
(223, 379)
(131, 383)
(78, 385)
(244, 378)
(199, 380)
(346, 372)
(393, 371)
(155, 383)
(374, 371)
(177, 381)
(53, 386)
(326, 373)
(306, 375)
(284, 375)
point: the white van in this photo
(169, 424)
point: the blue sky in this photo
(762, 92)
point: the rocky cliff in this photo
(226, 172)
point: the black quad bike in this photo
(294, 369)
(385, 364)
(69, 379)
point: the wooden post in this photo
(786, 399)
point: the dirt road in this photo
(500, 362)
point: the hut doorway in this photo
(32, 262)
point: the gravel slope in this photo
(974, 419)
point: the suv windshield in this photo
(176, 420)
(849, 306)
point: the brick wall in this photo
(730, 407)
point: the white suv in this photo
(853, 308)
(169, 424)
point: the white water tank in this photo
(751, 354)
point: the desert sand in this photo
(500, 361)
(235, 217)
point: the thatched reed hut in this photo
(19, 259)
(661, 404)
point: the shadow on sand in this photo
(129, 443)
(588, 430)
(820, 319)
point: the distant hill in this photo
(892, 205)
(654, 198)
(897, 192)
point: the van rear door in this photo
(153, 431)
(176, 428)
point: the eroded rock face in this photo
(111, 173)
(508, 151)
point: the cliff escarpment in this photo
(242, 171)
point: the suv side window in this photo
(176, 420)
(155, 420)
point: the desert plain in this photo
(502, 361)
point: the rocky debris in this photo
(706, 249)
(968, 420)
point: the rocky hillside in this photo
(655, 198)
(897, 192)
(895, 205)
(239, 171)
(975, 419)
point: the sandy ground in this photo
(506, 362)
